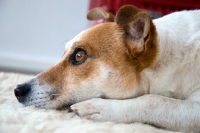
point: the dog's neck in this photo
(174, 54)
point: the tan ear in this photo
(100, 13)
(140, 34)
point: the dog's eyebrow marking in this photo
(74, 45)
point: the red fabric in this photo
(164, 7)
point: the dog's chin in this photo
(51, 104)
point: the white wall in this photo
(33, 32)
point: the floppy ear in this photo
(100, 13)
(139, 34)
(134, 21)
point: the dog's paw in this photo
(95, 109)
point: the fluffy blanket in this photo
(14, 118)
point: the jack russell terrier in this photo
(128, 69)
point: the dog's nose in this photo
(21, 91)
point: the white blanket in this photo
(14, 118)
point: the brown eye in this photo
(80, 55)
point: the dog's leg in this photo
(169, 113)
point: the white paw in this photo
(95, 109)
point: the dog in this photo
(129, 69)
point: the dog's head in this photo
(103, 61)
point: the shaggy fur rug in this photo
(14, 118)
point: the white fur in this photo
(177, 66)
(171, 85)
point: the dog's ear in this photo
(139, 33)
(134, 21)
(100, 13)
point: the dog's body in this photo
(150, 70)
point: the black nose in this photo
(21, 91)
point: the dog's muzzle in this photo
(21, 91)
(31, 93)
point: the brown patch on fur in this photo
(58, 74)
(54, 75)
(140, 35)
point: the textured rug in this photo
(14, 118)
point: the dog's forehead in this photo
(108, 31)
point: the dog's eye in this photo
(78, 57)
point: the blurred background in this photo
(33, 33)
